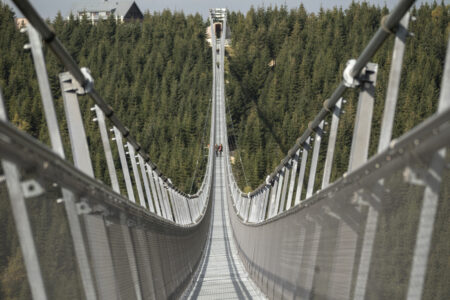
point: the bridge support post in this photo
(57, 146)
(385, 139)
(124, 164)
(22, 222)
(137, 179)
(288, 171)
(430, 200)
(314, 231)
(331, 144)
(146, 183)
(176, 207)
(262, 212)
(107, 148)
(153, 189)
(95, 225)
(279, 189)
(314, 161)
(131, 256)
(344, 255)
(293, 176)
(273, 193)
(301, 175)
(80, 150)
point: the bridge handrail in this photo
(49, 165)
(387, 27)
(50, 38)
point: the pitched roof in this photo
(123, 7)
(119, 8)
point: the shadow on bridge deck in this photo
(221, 275)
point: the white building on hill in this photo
(97, 10)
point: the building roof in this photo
(119, 8)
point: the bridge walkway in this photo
(222, 275)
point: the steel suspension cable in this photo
(235, 142)
(201, 147)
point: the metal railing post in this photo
(341, 277)
(430, 200)
(266, 204)
(124, 164)
(146, 184)
(77, 134)
(313, 251)
(301, 175)
(150, 174)
(137, 179)
(107, 148)
(273, 193)
(331, 144)
(314, 161)
(385, 138)
(279, 189)
(285, 185)
(293, 177)
(82, 161)
(57, 146)
(129, 248)
(22, 221)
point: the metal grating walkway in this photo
(222, 276)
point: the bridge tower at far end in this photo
(218, 15)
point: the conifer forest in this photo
(280, 66)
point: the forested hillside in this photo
(284, 64)
(281, 65)
(155, 75)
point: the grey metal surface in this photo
(146, 184)
(288, 171)
(78, 141)
(44, 87)
(124, 164)
(309, 251)
(222, 275)
(314, 160)
(331, 144)
(55, 45)
(385, 138)
(386, 28)
(107, 148)
(154, 191)
(301, 174)
(432, 179)
(293, 177)
(22, 221)
(137, 177)
(57, 146)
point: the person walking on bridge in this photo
(220, 149)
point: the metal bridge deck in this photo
(222, 276)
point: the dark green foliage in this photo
(281, 66)
(155, 75)
(272, 105)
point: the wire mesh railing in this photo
(139, 238)
(372, 233)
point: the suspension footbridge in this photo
(297, 236)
